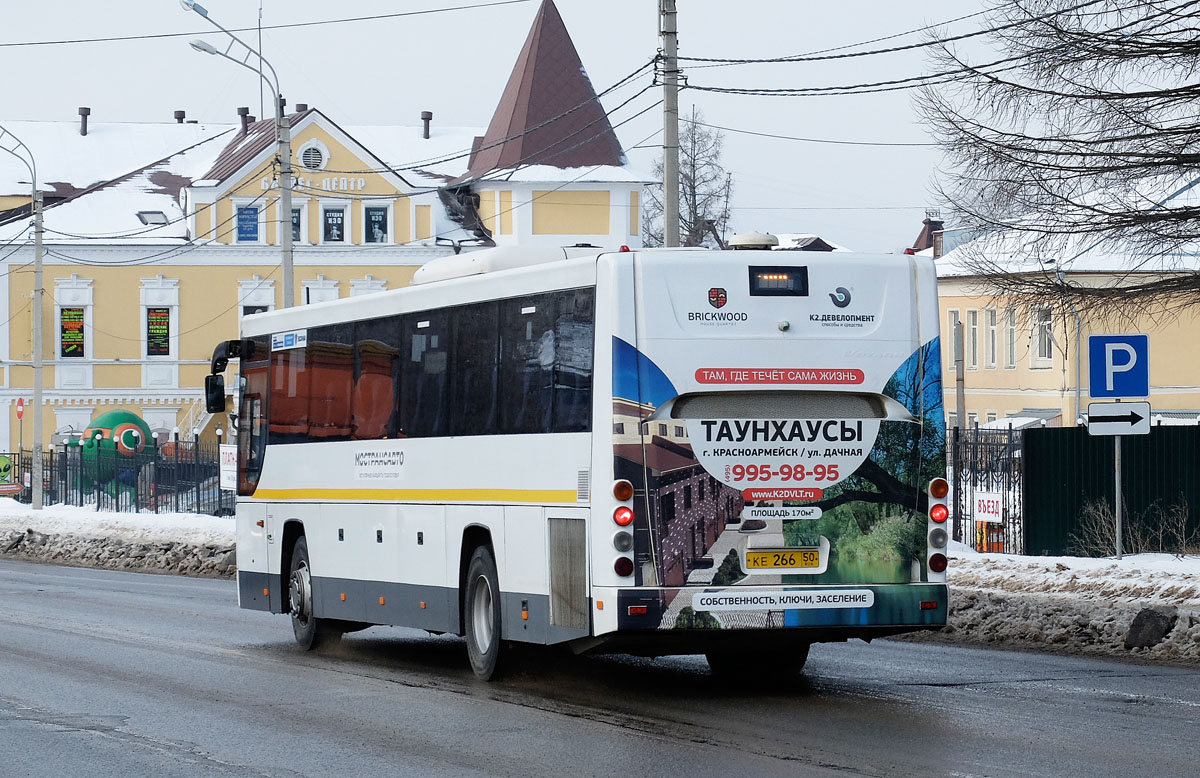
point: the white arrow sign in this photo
(1118, 418)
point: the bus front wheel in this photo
(482, 610)
(311, 633)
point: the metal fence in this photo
(178, 477)
(985, 469)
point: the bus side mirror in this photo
(231, 349)
(214, 394)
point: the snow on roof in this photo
(68, 162)
(422, 161)
(608, 174)
(793, 240)
(1015, 251)
(1013, 422)
(111, 210)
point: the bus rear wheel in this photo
(311, 633)
(481, 608)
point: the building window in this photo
(72, 343)
(297, 216)
(955, 339)
(256, 294)
(375, 227)
(700, 485)
(679, 431)
(952, 420)
(333, 225)
(687, 498)
(247, 227)
(972, 419)
(1010, 338)
(991, 416)
(320, 289)
(618, 428)
(972, 355)
(991, 342)
(1044, 334)
(662, 430)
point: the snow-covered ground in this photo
(1069, 604)
(130, 527)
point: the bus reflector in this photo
(422, 605)
(599, 605)
(381, 601)
(937, 563)
(623, 490)
(638, 610)
(929, 605)
(939, 488)
(266, 592)
(623, 566)
(343, 596)
(623, 516)
(939, 513)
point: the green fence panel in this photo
(1066, 468)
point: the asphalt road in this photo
(118, 674)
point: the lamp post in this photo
(283, 137)
(35, 204)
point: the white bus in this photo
(734, 453)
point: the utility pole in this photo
(38, 293)
(284, 132)
(670, 37)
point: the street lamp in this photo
(35, 205)
(283, 136)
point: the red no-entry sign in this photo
(20, 408)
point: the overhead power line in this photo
(890, 50)
(293, 25)
(803, 140)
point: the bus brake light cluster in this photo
(623, 539)
(939, 512)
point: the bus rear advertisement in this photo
(657, 451)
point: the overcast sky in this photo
(386, 71)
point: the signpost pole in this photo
(1117, 510)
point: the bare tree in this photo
(1081, 137)
(704, 188)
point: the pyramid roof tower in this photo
(529, 126)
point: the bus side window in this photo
(475, 379)
(527, 355)
(331, 368)
(575, 334)
(425, 353)
(374, 400)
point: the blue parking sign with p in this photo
(1119, 365)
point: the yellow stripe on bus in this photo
(422, 495)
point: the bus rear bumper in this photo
(854, 610)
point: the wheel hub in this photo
(481, 614)
(300, 593)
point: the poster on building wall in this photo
(71, 332)
(334, 225)
(158, 332)
(376, 229)
(247, 225)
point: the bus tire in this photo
(481, 607)
(311, 633)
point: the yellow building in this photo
(160, 237)
(1030, 364)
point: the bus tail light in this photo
(623, 516)
(623, 566)
(937, 563)
(939, 488)
(939, 513)
(937, 538)
(623, 541)
(623, 490)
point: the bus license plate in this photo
(782, 558)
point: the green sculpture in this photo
(114, 447)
